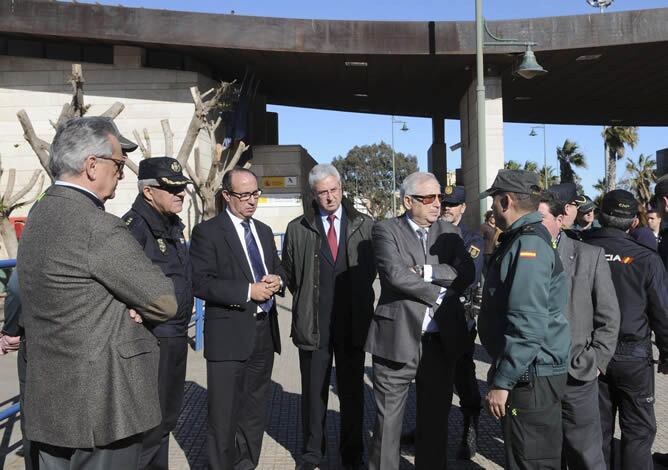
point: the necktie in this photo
(256, 261)
(331, 237)
(422, 235)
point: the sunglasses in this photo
(428, 199)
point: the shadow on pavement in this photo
(190, 431)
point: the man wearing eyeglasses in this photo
(236, 270)
(329, 263)
(418, 329)
(154, 223)
(92, 372)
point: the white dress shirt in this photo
(72, 185)
(428, 323)
(337, 222)
(241, 232)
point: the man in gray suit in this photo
(92, 373)
(418, 329)
(593, 314)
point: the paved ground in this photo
(282, 439)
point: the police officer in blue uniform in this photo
(642, 290)
(154, 222)
(466, 383)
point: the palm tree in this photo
(569, 156)
(547, 173)
(641, 176)
(615, 139)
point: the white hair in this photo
(76, 140)
(411, 182)
(147, 183)
(320, 172)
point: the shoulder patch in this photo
(527, 254)
(162, 246)
(474, 251)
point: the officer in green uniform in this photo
(522, 326)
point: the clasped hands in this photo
(9, 344)
(266, 288)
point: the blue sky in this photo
(326, 134)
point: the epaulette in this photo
(129, 220)
(528, 229)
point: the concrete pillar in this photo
(436, 155)
(469, 140)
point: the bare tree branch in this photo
(144, 147)
(25, 189)
(39, 146)
(40, 186)
(193, 176)
(169, 138)
(114, 110)
(132, 166)
(11, 180)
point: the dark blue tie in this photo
(256, 261)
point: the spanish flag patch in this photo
(527, 254)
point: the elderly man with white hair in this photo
(419, 327)
(328, 259)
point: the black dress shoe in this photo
(469, 445)
(408, 438)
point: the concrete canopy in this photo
(402, 68)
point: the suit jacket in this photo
(92, 374)
(592, 310)
(396, 326)
(221, 276)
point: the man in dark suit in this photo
(593, 315)
(329, 264)
(419, 329)
(237, 272)
(92, 373)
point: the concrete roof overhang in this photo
(412, 68)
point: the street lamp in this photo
(404, 128)
(534, 134)
(528, 69)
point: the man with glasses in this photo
(154, 223)
(418, 329)
(522, 325)
(236, 270)
(329, 264)
(92, 372)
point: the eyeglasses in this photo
(328, 192)
(245, 196)
(428, 199)
(120, 164)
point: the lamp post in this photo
(404, 128)
(528, 69)
(533, 134)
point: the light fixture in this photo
(456, 146)
(523, 98)
(361, 95)
(530, 68)
(404, 127)
(356, 64)
(533, 132)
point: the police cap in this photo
(167, 171)
(454, 195)
(585, 204)
(513, 181)
(126, 144)
(564, 192)
(619, 203)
